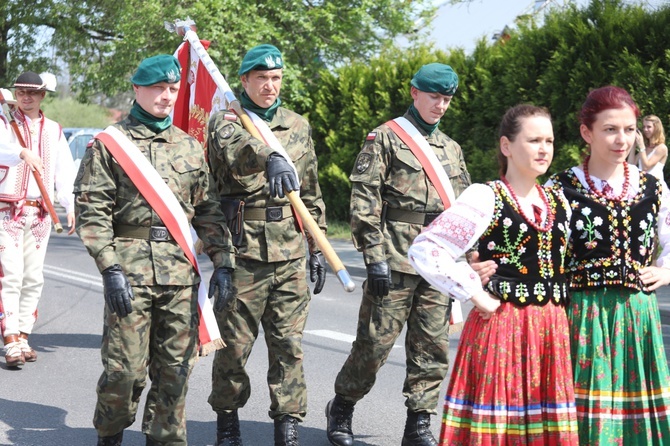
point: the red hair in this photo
(605, 98)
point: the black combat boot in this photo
(286, 431)
(112, 440)
(228, 429)
(417, 430)
(339, 413)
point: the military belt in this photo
(152, 233)
(270, 213)
(417, 218)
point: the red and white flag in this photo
(198, 95)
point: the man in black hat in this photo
(134, 220)
(25, 234)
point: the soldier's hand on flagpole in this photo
(280, 176)
(317, 270)
(221, 287)
(32, 160)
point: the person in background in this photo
(26, 227)
(650, 152)
(151, 316)
(392, 199)
(512, 377)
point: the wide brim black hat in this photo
(30, 81)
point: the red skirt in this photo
(511, 382)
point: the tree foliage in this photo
(553, 65)
(101, 41)
(70, 113)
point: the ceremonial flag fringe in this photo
(198, 96)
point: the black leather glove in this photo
(317, 270)
(379, 278)
(221, 280)
(118, 293)
(280, 176)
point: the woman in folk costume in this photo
(512, 378)
(622, 386)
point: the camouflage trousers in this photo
(413, 301)
(159, 335)
(275, 296)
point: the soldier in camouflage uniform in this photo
(270, 275)
(151, 317)
(392, 200)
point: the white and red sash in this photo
(411, 136)
(163, 201)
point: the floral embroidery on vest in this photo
(611, 239)
(530, 262)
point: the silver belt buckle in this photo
(159, 234)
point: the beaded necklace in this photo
(551, 214)
(596, 192)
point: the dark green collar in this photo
(153, 123)
(266, 114)
(428, 128)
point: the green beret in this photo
(261, 57)
(436, 78)
(155, 69)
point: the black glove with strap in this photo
(379, 278)
(281, 176)
(221, 286)
(117, 291)
(317, 270)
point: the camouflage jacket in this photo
(386, 170)
(237, 161)
(105, 196)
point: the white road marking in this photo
(69, 275)
(336, 335)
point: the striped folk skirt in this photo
(622, 386)
(512, 381)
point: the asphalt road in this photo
(50, 402)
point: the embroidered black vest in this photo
(530, 262)
(611, 240)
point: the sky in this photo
(463, 25)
